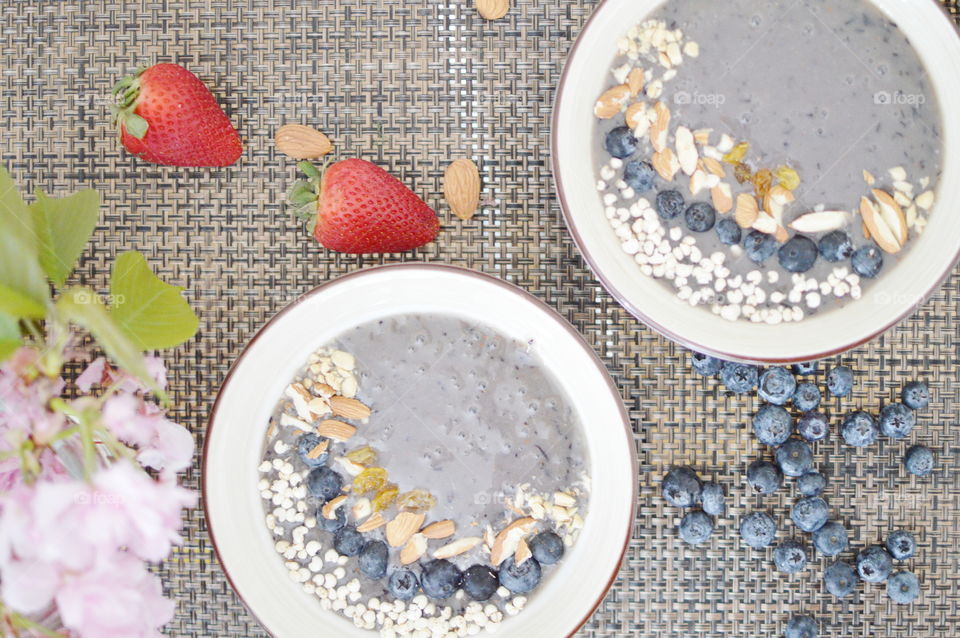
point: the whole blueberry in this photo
(901, 544)
(711, 499)
(739, 377)
(440, 579)
(831, 539)
(332, 524)
(859, 429)
(810, 513)
(798, 254)
(874, 564)
(801, 627)
(480, 582)
(681, 487)
(836, 246)
(547, 548)
(795, 458)
(772, 425)
(373, 559)
(639, 176)
(806, 397)
(403, 584)
(903, 588)
(700, 217)
(669, 204)
(324, 483)
(728, 231)
(811, 484)
(520, 579)
(916, 395)
(805, 368)
(305, 444)
(777, 385)
(758, 529)
(790, 557)
(813, 426)
(867, 261)
(759, 247)
(620, 142)
(897, 420)
(840, 381)
(348, 541)
(704, 364)
(696, 527)
(764, 477)
(840, 579)
(918, 460)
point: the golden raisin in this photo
(416, 501)
(737, 153)
(370, 480)
(365, 455)
(742, 172)
(788, 177)
(386, 496)
(762, 181)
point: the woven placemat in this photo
(411, 85)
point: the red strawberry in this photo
(357, 207)
(166, 115)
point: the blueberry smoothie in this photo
(424, 473)
(767, 160)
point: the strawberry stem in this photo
(127, 89)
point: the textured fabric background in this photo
(410, 86)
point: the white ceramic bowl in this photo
(900, 290)
(238, 423)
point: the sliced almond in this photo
(505, 543)
(350, 467)
(821, 221)
(698, 181)
(318, 449)
(866, 231)
(405, 525)
(714, 167)
(272, 429)
(336, 430)
(781, 234)
(564, 499)
(722, 197)
(374, 522)
(291, 421)
(925, 200)
(673, 53)
(492, 9)
(522, 554)
(765, 223)
(702, 136)
(898, 173)
(869, 178)
(349, 408)
(747, 210)
(666, 164)
(776, 200)
(635, 81)
(461, 188)
(319, 407)
(413, 550)
(457, 547)
(302, 142)
(362, 508)
(661, 127)
(892, 214)
(323, 390)
(439, 529)
(329, 509)
(686, 150)
(880, 232)
(508, 503)
(636, 116)
(611, 102)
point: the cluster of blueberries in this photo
(797, 255)
(438, 578)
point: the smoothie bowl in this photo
(766, 181)
(419, 448)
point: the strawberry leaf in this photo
(308, 169)
(134, 125)
(63, 228)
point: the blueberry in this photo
(758, 529)
(916, 395)
(403, 584)
(712, 499)
(836, 246)
(704, 364)
(874, 564)
(790, 557)
(859, 429)
(700, 217)
(441, 578)
(919, 460)
(772, 425)
(738, 377)
(805, 368)
(867, 261)
(903, 588)
(759, 246)
(669, 204)
(812, 484)
(764, 477)
(777, 385)
(795, 458)
(806, 397)
(480, 582)
(728, 232)
(798, 254)
(801, 627)
(840, 381)
(620, 142)
(348, 541)
(308, 442)
(547, 548)
(896, 420)
(901, 544)
(813, 426)
(681, 487)
(520, 579)
(810, 513)
(639, 176)
(324, 483)
(840, 578)
(373, 559)
(696, 527)
(332, 524)
(831, 539)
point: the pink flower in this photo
(92, 375)
(102, 373)
(24, 400)
(163, 444)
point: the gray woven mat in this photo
(411, 85)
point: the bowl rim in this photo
(509, 287)
(632, 308)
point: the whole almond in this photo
(336, 430)
(302, 142)
(635, 80)
(612, 101)
(349, 408)
(493, 9)
(461, 187)
(400, 529)
(439, 529)
(747, 210)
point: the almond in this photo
(457, 547)
(781, 235)
(747, 210)
(329, 509)
(635, 81)
(318, 449)
(925, 200)
(722, 197)
(765, 223)
(636, 116)
(666, 164)
(702, 136)
(461, 188)
(405, 525)
(291, 421)
(686, 150)
(439, 529)
(319, 407)
(349, 408)
(611, 102)
(361, 509)
(714, 167)
(892, 213)
(413, 549)
(660, 127)
(522, 554)
(492, 9)
(698, 181)
(323, 390)
(505, 543)
(374, 522)
(821, 221)
(880, 232)
(302, 142)
(868, 177)
(336, 430)
(866, 231)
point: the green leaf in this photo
(135, 125)
(9, 336)
(15, 218)
(64, 227)
(152, 313)
(24, 291)
(17, 304)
